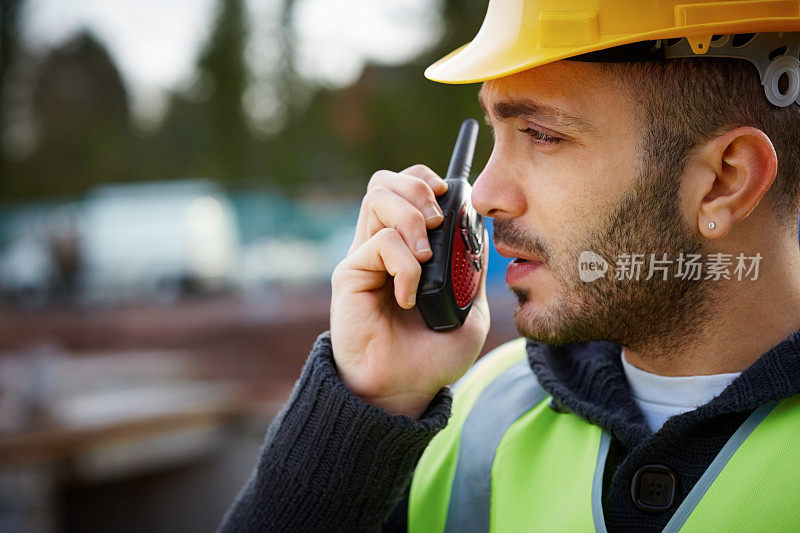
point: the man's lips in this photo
(521, 267)
(518, 271)
(517, 256)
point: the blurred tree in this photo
(81, 111)
(223, 69)
(180, 147)
(391, 117)
(206, 131)
(294, 91)
(9, 49)
(9, 34)
(462, 20)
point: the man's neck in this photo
(750, 317)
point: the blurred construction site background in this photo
(177, 181)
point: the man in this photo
(650, 199)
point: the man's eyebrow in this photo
(526, 108)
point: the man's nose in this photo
(496, 192)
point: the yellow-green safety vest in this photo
(507, 462)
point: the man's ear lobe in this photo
(742, 165)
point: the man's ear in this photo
(735, 170)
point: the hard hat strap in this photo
(773, 54)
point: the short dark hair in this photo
(687, 101)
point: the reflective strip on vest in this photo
(507, 462)
(756, 486)
(433, 478)
(520, 486)
(485, 426)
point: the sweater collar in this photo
(588, 379)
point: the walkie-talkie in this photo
(450, 278)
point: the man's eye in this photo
(540, 137)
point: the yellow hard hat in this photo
(520, 34)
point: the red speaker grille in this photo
(465, 276)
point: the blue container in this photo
(497, 263)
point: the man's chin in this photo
(546, 325)
(534, 322)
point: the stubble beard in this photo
(656, 316)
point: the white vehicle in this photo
(155, 239)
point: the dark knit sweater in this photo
(331, 462)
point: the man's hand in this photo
(384, 352)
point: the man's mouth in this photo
(519, 269)
(523, 261)
(516, 255)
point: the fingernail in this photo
(431, 211)
(412, 300)
(423, 246)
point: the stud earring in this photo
(711, 225)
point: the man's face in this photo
(567, 175)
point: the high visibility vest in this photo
(507, 462)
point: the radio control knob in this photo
(463, 222)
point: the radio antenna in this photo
(464, 150)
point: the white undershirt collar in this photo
(662, 397)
